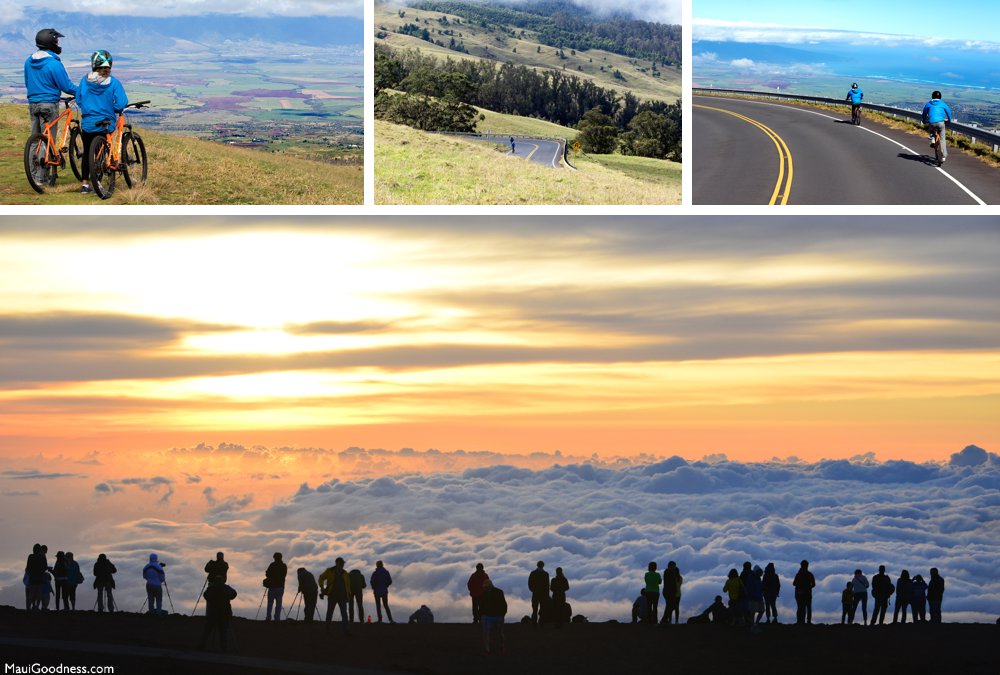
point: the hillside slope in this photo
(455, 171)
(484, 43)
(185, 170)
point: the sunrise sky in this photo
(594, 392)
(807, 337)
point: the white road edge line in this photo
(830, 117)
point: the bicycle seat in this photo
(104, 124)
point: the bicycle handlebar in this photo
(138, 104)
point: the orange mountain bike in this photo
(120, 151)
(44, 155)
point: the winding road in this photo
(757, 152)
(544, 152)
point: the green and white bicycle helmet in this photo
(100, 59)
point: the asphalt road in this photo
(756, 152)
(546, 153)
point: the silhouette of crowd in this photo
(751, 594)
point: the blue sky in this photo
(910, 17)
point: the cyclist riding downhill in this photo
(46, 79)
(936, 112)
(101, 98)
(855, 96)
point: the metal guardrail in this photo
(502, 138)
(990, 138)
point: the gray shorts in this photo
(42, 114)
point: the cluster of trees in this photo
(649, 134)
(420, 106)
(545, 94)
(561, 24)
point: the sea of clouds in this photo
(603, 521)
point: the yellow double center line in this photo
(784, 185)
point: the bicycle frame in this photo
(53, 150)
(115, 141)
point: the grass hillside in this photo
(416, 167)
(483, 44)
(185, 170)
(515, 124)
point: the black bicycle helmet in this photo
(936, 94)
(854, 86)
(100, 59)
(48, 39)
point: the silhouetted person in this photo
(772, 588)
(560, 586)
(46, 593)
(493, 606)
(475, 586)
(754, 587)
(74, 577)
(309, 590)
(919, 600)
(734, 587)
(904, 593)
(34, 568)
(672, 581)
(104, 582)
(652, 591)
(847, 603)
(217, 569)
(538, 584)
(717, 613)
(274, 580)
(935, 594)
(859, 585)
(381, 580)
(640, 608)
(422, 615)
(882, 590)
(745, 599)
(804, 583)
(358, 586)
(59, 578)
(155, 576)
(218, 611)
(335, 584)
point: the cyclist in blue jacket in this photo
(936, 112)
(855, 96)
(101, 98)
(45, 79)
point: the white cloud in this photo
(602, 524)
(717, 30)
(16, 10)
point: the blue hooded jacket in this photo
(856, 96)
(100, 101)
(936, 110)
(45, 78)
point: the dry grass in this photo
(413, 167)
(185, 170)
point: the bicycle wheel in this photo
(102, 178)
(76, 151)
(40, 174)
(858, 120)
(134, 159)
